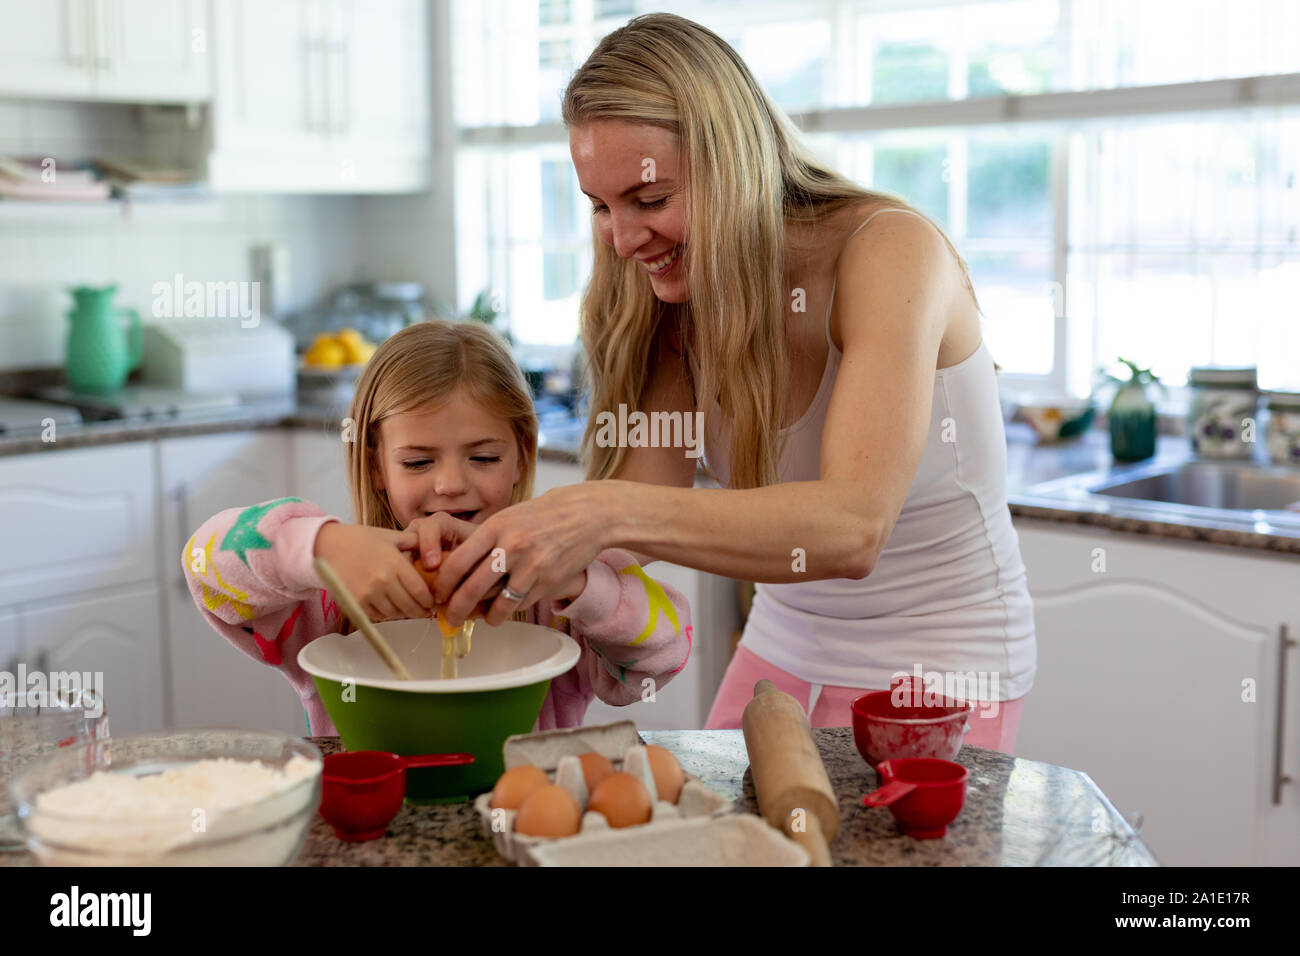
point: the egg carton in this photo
(733, 839)
(556, 752)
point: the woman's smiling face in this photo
(455, 457)
(632, 174)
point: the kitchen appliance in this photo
(220, 355)
(20, 418)
(100, 353)
(794, 793)
(141, 403)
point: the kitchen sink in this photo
(1244, 495)
(1235, 486)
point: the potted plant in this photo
(1132, 413)
(483, 310)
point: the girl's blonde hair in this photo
(425, 364)
(746, 174)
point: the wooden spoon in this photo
(359, 618)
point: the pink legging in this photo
(990, 726)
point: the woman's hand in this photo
(375, 565)
(542, 547)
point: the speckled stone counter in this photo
(246, 417)
(1017, 813)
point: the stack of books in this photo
(47, 179)
(138, 180)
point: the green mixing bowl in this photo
(499, 692)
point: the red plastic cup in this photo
(363, 790)
(884, 731)
(923, 794)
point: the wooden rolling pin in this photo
(788, 772)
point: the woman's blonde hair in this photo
(746, 174)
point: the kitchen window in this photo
(1109, 197)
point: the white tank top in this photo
(948, 591)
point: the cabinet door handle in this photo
(339, 84)
(1284, 644)
(76, 30)
(313, 86)
(183, 531)
(100, 33)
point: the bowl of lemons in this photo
(327, 374)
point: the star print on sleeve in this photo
(244, 536)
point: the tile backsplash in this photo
(44, 250)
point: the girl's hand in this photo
(543, 546)
(436, 530)
(375, 565)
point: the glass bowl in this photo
(266, 831)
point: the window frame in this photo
(1058, 114)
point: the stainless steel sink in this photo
(1234, 486)
(1241, 495)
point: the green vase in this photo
(1132, 425)
(101, 351)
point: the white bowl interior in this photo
(509, 655)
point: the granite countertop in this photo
(1029, 464)
(1017, 813)
(275, 414)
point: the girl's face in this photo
(456, 457)
(632, 174)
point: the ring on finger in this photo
(511, 594)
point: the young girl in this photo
(444, 436)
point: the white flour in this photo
(209, 800)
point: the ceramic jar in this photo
(1224, 411)
(1284, 428)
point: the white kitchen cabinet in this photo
(379, 51)
(321, 96)
(1158, 675)
(212, 682)
(152, 51)
(319, 473)
(10, 648)
(45, 49)
(85, 517)
(136, 51)
(116, 634)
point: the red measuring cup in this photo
(363, 790)
(923, 793)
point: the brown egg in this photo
(667, 772)
(595, 768)
(549, 811)
(516, 785)
(622, 799)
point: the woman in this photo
(831, 336)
